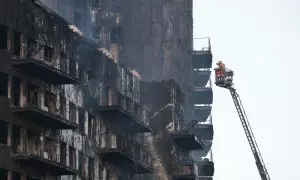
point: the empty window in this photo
(63, 62)
(3, 37)
(47, 98)
(91, 168)
(3, 132)
(81, 164)
(15, 91)
(17, 43)
(16, 143)
(4, 84)
(16, 176)
(63, 153)
(72, 157)
(116, 35)
(49, 147)
(48, 54)
(72, 112)
(32, 95)
(81, 120)
(33, 143)
(62, 106)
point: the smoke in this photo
(159, 170)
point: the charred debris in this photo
(69, 110)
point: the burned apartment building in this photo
(67, 110)
(71, 108)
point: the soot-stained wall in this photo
(158, 39)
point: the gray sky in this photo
(260, 41)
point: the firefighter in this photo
(220, 72)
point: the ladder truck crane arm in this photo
(224, 79)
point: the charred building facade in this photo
(102, 90)
(67, 109)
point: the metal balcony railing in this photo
(202, 44)
(118, 143)
(133, 108)
(186, 167)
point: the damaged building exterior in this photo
(91, 90)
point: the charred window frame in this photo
(3, 37)
(16, 139)
(90, 125)
(4, 84)
(16, 43)
(49, 147)
(48, 54)
(63, 153)
(32, 95)
(16, 91)
(91, 168)
(72, 157)
(81, 120)
(63, 62)
(81, 164)
(3, 132)
(72, 112)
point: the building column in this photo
(23, 177)
(23, 137)
(9, 135)
(9, 175)
(9, 85)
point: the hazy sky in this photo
(260, 41)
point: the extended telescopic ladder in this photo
(224, 78)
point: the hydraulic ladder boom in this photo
(250, 136)
(224, 78)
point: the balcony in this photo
(202, 57)
(202, 95)
(43, 111)
(45, 66)
(187, 141)
(43, 164)
(126, 113)
(186, 170)
(206, 168)
(201, 77)
(203, 130)
(127, 155)
(202, 112)
(44, 71)
(29, 150)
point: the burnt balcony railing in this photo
(186, 139)
(206, 168)
(34, 156)
(43, 111)
(186, 169)
(126, 154)
(126, 113)
(40, 62)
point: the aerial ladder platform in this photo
(224, 79)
